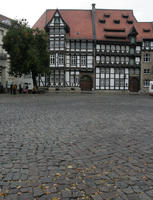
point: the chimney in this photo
(93, 6)
(93, 21)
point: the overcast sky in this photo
(33, 9)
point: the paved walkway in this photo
(73, 146)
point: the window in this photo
(146, 57)
(73, 60)
(102, 59)
(118, 48)
(132, 51)
(83, 45)
(146, 71)
(117, 59)
(112, 59)
(51, 31)
(72, 45)
(137, 60)
(122, 49)
(107, 59)
(101, 21)
(97, 59)
(127, 49)
(57, 31)
(113, 48)
(83, 61)
(52, 59)
(102, 47)
(146, 83)
(147, 44)
(138, 49)
(117, 21)
(61, 59)
(127, 60)
(57, 44)
(107, 48)
(77, 45)
(131, 61)
(98, 47)
(132, 40)
(151, 45)
(122, 60)
(62, 44)
(52, 44)
(62, 31)
(90, 46)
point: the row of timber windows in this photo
(61, 78)
(117, 48)
(147, 45)
(57, 31)
(79, 46)
(71, 61)
(57, 44)
(114, 78)
(146, 57)
(117, 60)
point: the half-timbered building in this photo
(95, 49)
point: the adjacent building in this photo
(4, 61)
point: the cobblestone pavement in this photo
(79, 146)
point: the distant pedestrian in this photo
(11, 88)
(20, 88)
(14, 87)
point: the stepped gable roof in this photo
(109, 24)
(79, 21)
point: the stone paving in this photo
(76, 146)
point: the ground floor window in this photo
(112, 78)
(146, 83)
(60, 78)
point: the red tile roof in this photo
(80, 21)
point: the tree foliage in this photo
(28, 50)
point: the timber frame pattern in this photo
(99, 56)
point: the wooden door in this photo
(134, 84)
(86, 83)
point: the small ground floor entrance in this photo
(134, 84)
(86, 81)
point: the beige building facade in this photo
(146, 65)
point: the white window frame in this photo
(83, 61)
(52, 59)
(146, 83)
(147, 71)
(146, 57)
(74, 60)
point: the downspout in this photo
(93, 12)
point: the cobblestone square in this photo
(76, 146)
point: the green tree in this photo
(28, 50)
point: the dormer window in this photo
(146, 30)
(107, 15)
(116, 21)
(129, 21)
(125, 16)
(101, 21)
